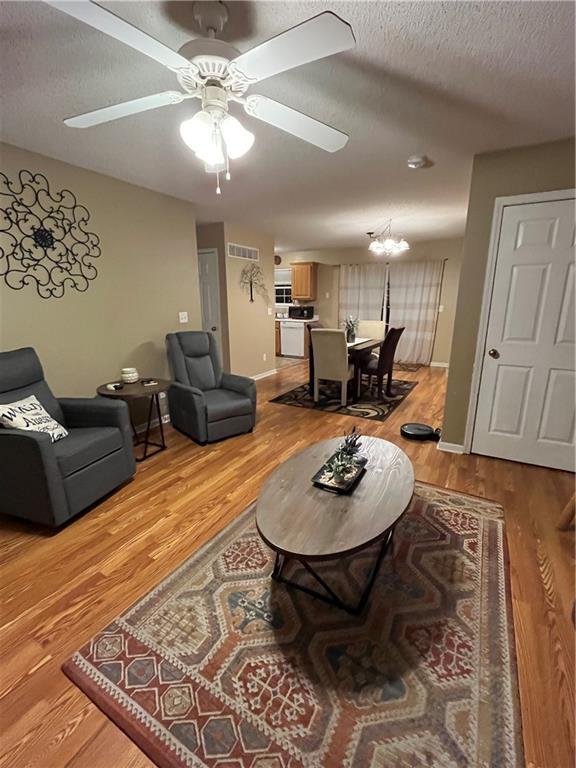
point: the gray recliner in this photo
(51, 482)
(205, 403)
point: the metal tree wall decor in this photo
(252, 279)
(44, 239)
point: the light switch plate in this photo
(441, 308)
(183, 317)
(269, 310)
(327, 295)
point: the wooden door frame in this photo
(500, 205)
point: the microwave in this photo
(301, 313)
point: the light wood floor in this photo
(57, 589)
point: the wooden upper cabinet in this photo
(304, 280)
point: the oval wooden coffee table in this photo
(302, 522)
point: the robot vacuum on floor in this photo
(419, 432)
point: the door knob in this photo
(213, 328)
(494, 353)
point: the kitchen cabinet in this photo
(278, 342)
(304, 280)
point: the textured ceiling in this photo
(448, 79)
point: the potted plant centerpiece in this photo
(351, 326)
(342, 470)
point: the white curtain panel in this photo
(414, 301)
(362, 289)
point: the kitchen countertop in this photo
(298, 320)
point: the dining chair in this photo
(309, 327)
(331, 360)
(371, 329)
(382, 365)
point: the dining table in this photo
(358, 350)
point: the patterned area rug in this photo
(369, 406)
(219, 667)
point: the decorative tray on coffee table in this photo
(324, 478)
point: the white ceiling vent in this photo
(243, 252)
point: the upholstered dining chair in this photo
(206, 403)
(309, 327)
(382, 365)
(371, 329)
(331, 360)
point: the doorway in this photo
(209, 279)
(525, 406)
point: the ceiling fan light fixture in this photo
(217, 73)
(215, 168)
(197, 132)
(237, 139)
(216, 137)
(211, 152)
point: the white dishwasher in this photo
(292, 338)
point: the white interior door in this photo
(210, 292)
(525, 409)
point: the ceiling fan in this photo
(217, 74)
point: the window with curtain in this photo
(414, 302)
(362, 289)
(409, 290)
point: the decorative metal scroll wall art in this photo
(44, 240)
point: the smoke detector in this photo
(415, 162)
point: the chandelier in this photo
(385, 243)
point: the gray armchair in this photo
(51, 482)
(205, 403)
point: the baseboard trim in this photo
(140, 428)
(265, 374)
(450, 447)
(438, 365)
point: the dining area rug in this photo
(368, 405)
(220, 667)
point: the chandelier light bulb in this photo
(385, 243)
(403, 246)
(376, 247)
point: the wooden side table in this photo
(139, 391)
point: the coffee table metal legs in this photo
(328, 595)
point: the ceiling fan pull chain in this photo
(218, 190)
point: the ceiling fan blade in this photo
(296, 123)
(106, 114)
(99, 18)
(321, 36)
